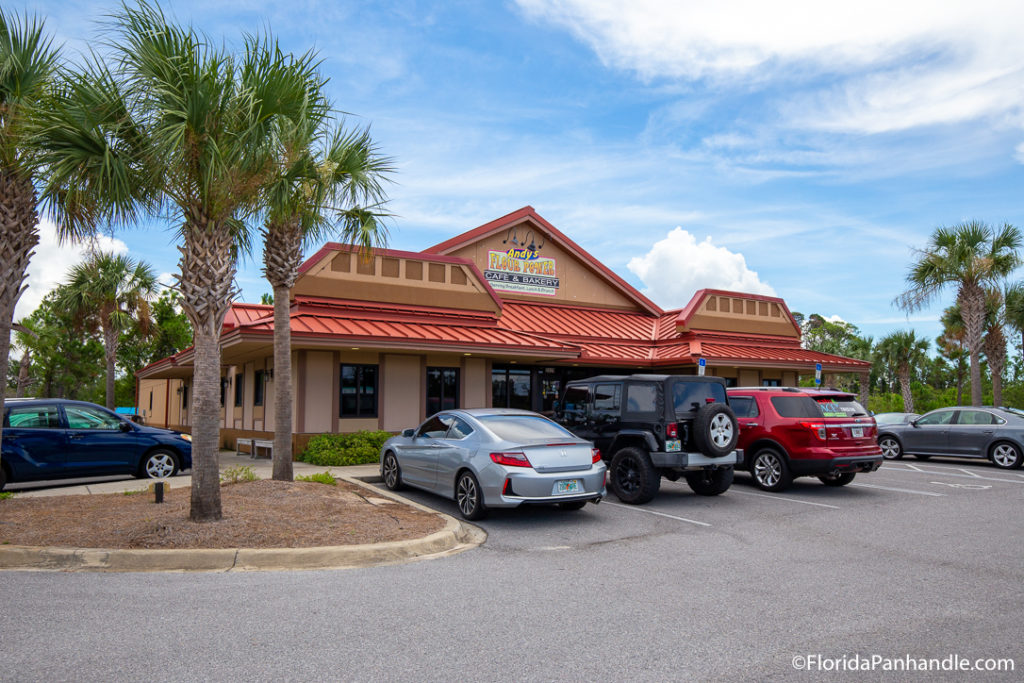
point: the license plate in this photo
(673, 445)
(858, 432)
(567, 486)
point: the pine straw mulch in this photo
(257, 514)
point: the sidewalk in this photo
(455, 537)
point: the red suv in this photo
(788, 432)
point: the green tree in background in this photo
(969, 257)
(108, 294)
(903, 351)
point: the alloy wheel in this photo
(468, 495)
(721, 430)
(768, 469)
(160, 466)
(390, 471)
(1005, 456)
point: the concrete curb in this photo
(455, 537)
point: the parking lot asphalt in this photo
(918, 561)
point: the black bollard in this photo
(158, 490)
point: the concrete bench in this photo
(254, 445)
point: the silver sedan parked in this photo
(495, 458)
(993, 433)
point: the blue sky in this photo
(801, 149)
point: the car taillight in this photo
(595, 456)
(511, 458)
(672, 430)
(817, 428)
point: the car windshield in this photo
(524, 428)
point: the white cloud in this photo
(677, 266)
(890, 66)
(1019, 153)
(51, 262)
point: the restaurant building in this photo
(502, 315)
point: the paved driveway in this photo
(919, 560)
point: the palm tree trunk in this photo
(972, 309)
(908, 398)
(19, 234)
(23, 378)
(282, 385)
(282, 255)
(206, 283)
(110, 351)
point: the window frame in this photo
(361, 412)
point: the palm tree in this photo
(951, 345)
(197, 138)
(969, 256)
(329, 180)
(994, 342)
(109, 293)
(903, 351)
(27, 63)
(1013, 306)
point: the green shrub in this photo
(320, 478)
(338, 450)
(233, 475)
(4, 495)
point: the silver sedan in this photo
(495, 458)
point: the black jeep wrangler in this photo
(653, 426)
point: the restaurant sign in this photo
(521, 270)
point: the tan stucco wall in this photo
(401, 392)
(318, 391)
(749, 378)
(476, 383)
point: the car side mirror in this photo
(913, 423)
(408, 433)
(125, 427)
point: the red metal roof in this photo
(241, 314)
(577, 321)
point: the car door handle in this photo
(77, 436)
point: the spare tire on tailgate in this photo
(715, 431)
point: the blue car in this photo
(60, 439)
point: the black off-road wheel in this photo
(710, 482)
(714, 430)
(841, 479)
(391, 472)
(633, 477)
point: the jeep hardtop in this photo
(653, 426)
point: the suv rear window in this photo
(840, 407)
(796, 406)
(689, 396)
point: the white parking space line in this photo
(790, 500)
(891, 488)
(969, 473)
(655, 512)
(949, 473)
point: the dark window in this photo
(33, 417)
(436, 427)
(358, 391)
(744, 406)
(642, 398)
(510, 388)
(796, 406)
(524, 428)
(575, 403)
(151, 401)
(942, 417)
(258, 381)
(606, 398)
(771, 383)
(442, 389)
(689, 396)
(975, 417)
(84, 417)
(459, 429)
(223, 390)
(239, 386)
(731, 381)
(184, 397)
